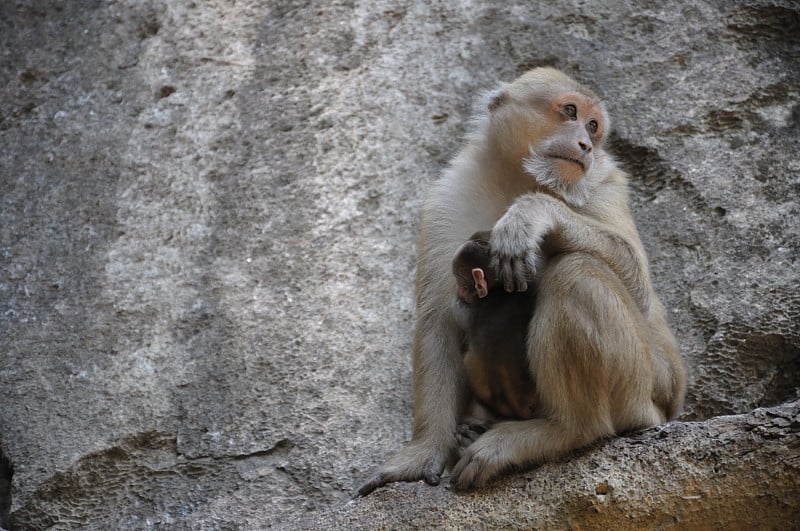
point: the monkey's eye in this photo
(570, 111)
(592, 127)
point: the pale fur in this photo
(601, 354)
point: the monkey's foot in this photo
(480, 463)
(417, 461)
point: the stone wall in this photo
(208, 214)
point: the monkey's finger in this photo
(519, 273)
(501, 265)
(532, 264)
(474, 425)
(494, 264)
(507, 274)
(466, 437)
(469, 438)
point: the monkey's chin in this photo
(570, 171)
(566, 178)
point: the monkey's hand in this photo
(517, 238)
(469, 432)
(418, 460)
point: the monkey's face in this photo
(548, 127)
(564, 152)
(570, 146)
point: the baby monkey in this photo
(495, 325)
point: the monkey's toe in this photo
(477, 467)
(378, 481)
(431, 478)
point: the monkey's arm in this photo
(518, 238)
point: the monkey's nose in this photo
(586, 147)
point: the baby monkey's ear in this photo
(481, 287)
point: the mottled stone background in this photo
(208, 214)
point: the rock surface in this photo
(6, 475)
(207, 221)
(612, 485)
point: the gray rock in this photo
(658, 478)
(208, 213)
(6, 475)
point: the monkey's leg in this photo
(592, 369)
(440, 393)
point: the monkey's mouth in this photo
(569, 159)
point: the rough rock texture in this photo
(207, 222)
(6, 475)
(612, 485)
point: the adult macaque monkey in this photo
(600, 353)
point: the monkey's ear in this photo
(480, 282)
(495, 98)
